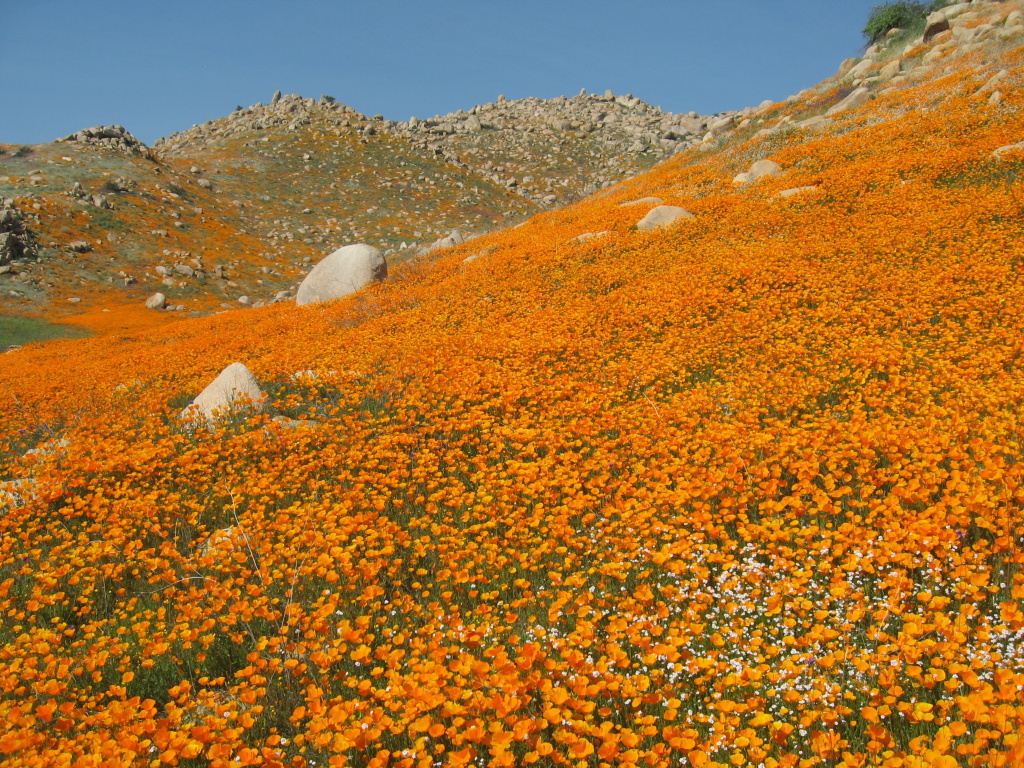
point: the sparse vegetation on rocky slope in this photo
(232, 213)
(741, 489)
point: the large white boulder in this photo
(663, 216)
(235, 389)
(345, 271)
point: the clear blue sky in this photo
(158, 66)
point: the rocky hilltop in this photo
(548, 151)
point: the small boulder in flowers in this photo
(156, 301)
(758, 170)
(234, 390)
(663, 216)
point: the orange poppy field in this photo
(743, 490)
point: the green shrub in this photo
(901, 15)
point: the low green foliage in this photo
(15, 331)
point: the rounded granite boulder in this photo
(345, 271)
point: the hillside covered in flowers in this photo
(742, 490)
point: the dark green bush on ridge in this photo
(901, 15)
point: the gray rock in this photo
(663, 216)
(80, 246)
(455, 237)
(16, 241)
(109, 136)
(184, 269)
(1008, 150)
(935, 24)
(223, 541)
(758, 170)
(156, 301)
(589, 236)
(861, 68)
(15, 493)
(204, 183)
(343, 272)
(797, 191)
(990, 84)
(234, 390)
(813, 123)
(720, 126)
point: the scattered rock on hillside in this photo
(847, 64)
(455, 237)
(797, 191)
(109, 136)
(990, 85)
(483, 252)
(663, 216)
(862, 68)
(1010, 149)
(589, 236)
(890, 70)
(221, 542)
(16, 241)
(57, 446)
(812, 123)
(935, 24)
(854, 100)
(156, 301)
(510, 142)
(758, 170)
(345, 271)
(284, 422)
(642, 201)
(16, 493)
(79, 246)
(234, 390)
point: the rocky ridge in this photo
(548, 151)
